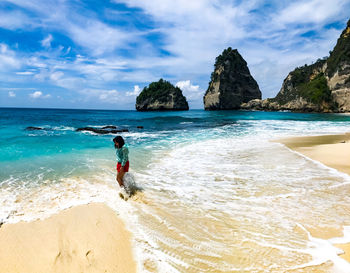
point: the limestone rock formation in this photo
(321, 87)
(306, 90)
(231, 83)
(338, 71)
(161, 96)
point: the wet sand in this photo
(331, 150)
(87, 238)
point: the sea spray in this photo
(131, 188)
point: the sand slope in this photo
(88, 238)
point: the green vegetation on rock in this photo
(230, 56)
(161, 96)
(315, 87)
(284, 97)
(158, 91)
(340, 53)
(302, 74)
(316, 90)
(300, 80)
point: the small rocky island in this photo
(231, 83)
(161, 96)
(321, 87)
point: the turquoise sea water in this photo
(58, 150)
(62, 149)
(202, 172)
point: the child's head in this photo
(118, 142)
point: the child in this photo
(122, 158)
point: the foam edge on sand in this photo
(332, 151)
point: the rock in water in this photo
(161, 96)
(102, 131)
(32, 128)
(231, 83)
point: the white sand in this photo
(88, 238)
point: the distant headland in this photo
(320, 87)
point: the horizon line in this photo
(96, 109)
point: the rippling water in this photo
(218, 196)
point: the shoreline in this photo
(85, 238)
(332, 151)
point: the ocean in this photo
(218, 195)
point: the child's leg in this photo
(120, 176)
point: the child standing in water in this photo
(122, 153)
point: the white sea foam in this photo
(324, 250)
(237, 178)
(63, 128)
(101, 126)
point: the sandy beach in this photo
(331, 150)
(87, 238)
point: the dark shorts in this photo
(126, 167)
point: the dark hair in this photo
(119, 140)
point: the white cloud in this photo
(136, 91)
(315, 11)
(12, 94)
(8, 58)
(25, 73)
(106, 96)
(71, 83)
(195, 31)
(98, 37)
(39, 94)
(81, 26)
(41, 6)
(36, 94)
(36, 62)
(56, 75)
(47, 41)
(112, 63)
(13, 20)
(187, 86)
(190, 91)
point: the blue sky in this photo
(100, 54)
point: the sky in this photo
(90, 54)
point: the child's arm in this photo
(125, 156)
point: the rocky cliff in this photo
(231, 83)
(321, 87)
(161, 96)
(338, 71)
